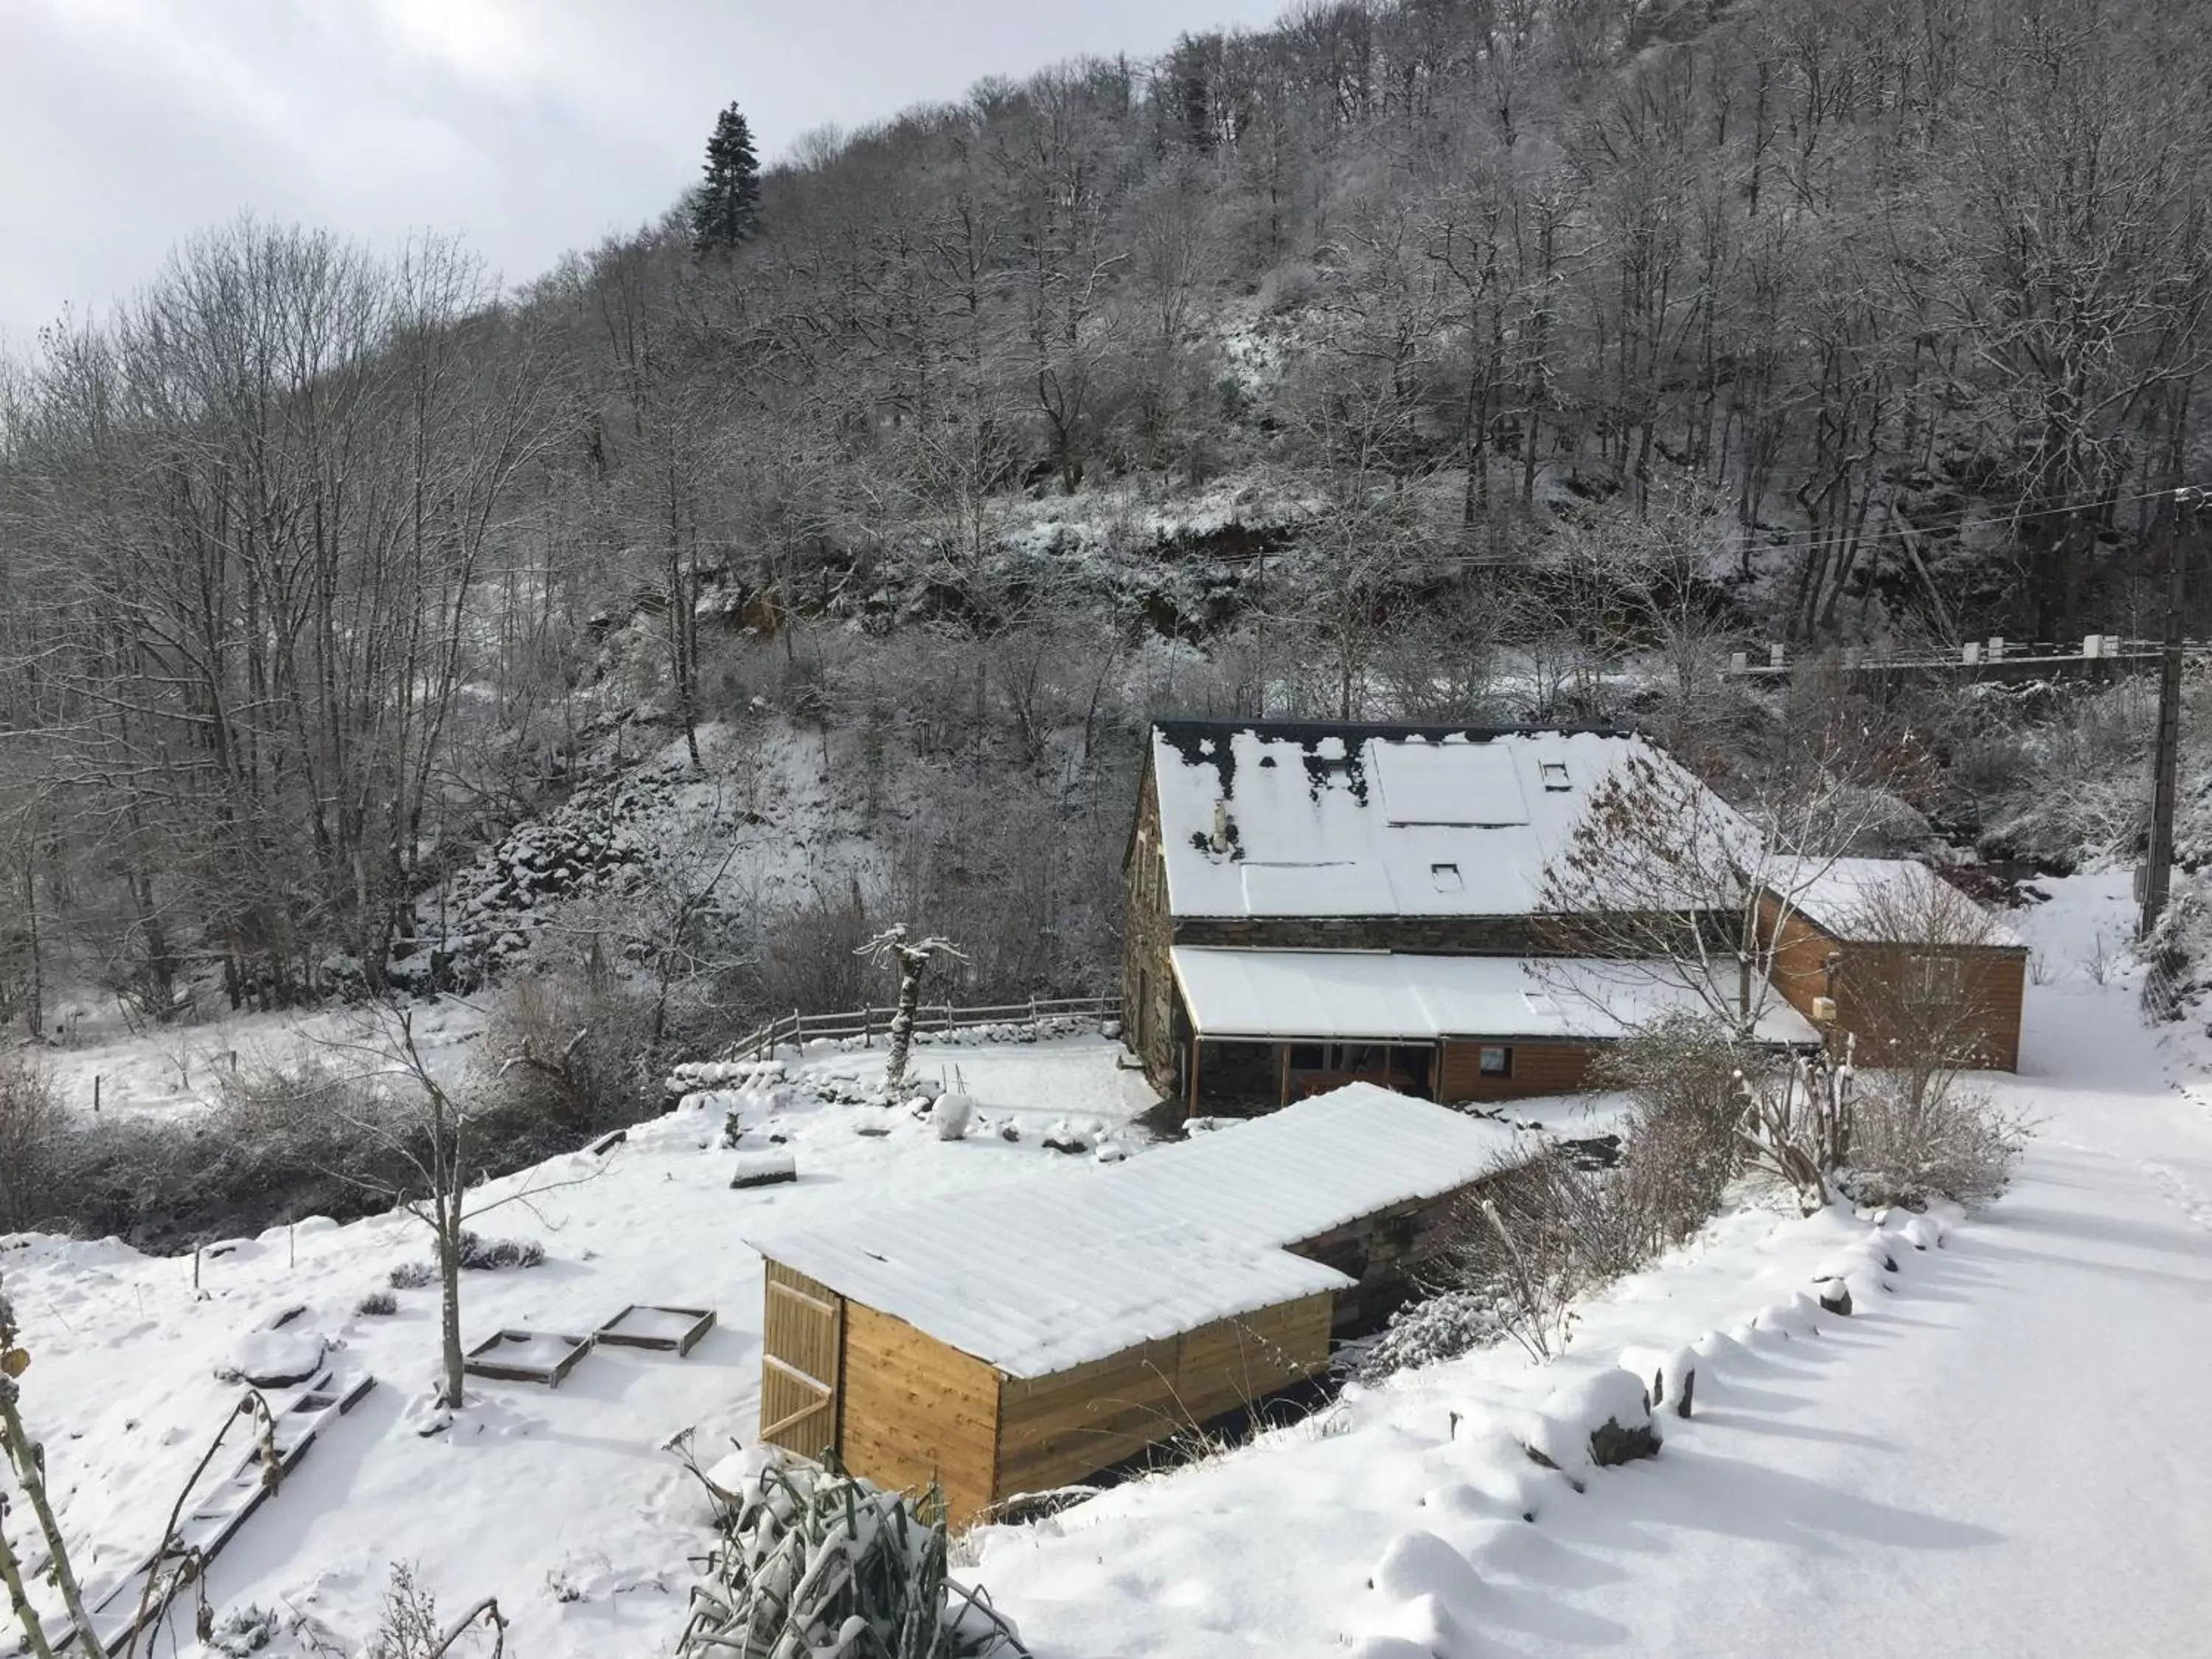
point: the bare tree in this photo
(429, 1131)
(896, 947)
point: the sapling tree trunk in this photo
(431, 1138)
(27, 1458)
(894, 948)
(19, 1601)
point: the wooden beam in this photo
(777, 1288)
(1283, 1073)
(797, 1376)
(1190, 1105)
(784, 1423)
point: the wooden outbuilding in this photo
(1886, 950)
(1019, 1338)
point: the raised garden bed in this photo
(518, 1356)
(665, 1330)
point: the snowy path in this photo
(2006, 1458)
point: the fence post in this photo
(1774, 656)
(1996, 647)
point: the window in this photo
(1445, 877)
(1933, 981)
(1554, 774)
(1497, 1062)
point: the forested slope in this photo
(1440, 358)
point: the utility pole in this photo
(2158, 865)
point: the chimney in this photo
(1221, 826)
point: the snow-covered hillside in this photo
(1989, 1428)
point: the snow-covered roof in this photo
(1357, 993)
(1319, 820)
(1886, 901)
(1038, 1276)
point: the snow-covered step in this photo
(215, 1517)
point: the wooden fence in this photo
(869, 1023)
(1993, 658)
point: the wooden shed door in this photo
(802, 1352)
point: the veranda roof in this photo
(1346, 995)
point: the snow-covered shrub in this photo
(30, 1137)
(1911, 1145)
(814, 1563)
(950, 1115)
(299, 1114)
(811, 960)
(1680, 1147)
(1427, 1332)
(412, 1276)
(566, 1051)
(377, 1304)
(487, 1254)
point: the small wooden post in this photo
(96, 1112)
(1190, 1105)
(1283, 1073)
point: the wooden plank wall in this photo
(800, 1321)
(1057, 1429)
(1870, 987)
(1873, 1001)
(1538, 1068)
(1801, 956)
(915, 1409)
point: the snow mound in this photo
(1418, 1563)
(274, 1359)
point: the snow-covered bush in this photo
(30, 1136)
(487, 1254)
(412, 1276)
(1680, 1147)
(814, 1563)
(566, 1051)
(377, 1304)
(1911, 1145)
(1427, 1332)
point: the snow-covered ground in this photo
(1995, 1458)
(1994, 1453)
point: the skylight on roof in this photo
(1472, 784)
(1446, 878)
(1555, 774)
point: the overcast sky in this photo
(529, 126)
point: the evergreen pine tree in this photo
(728, 205)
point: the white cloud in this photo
(529, 126)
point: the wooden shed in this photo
(1022, 1338)
(1887, 951)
